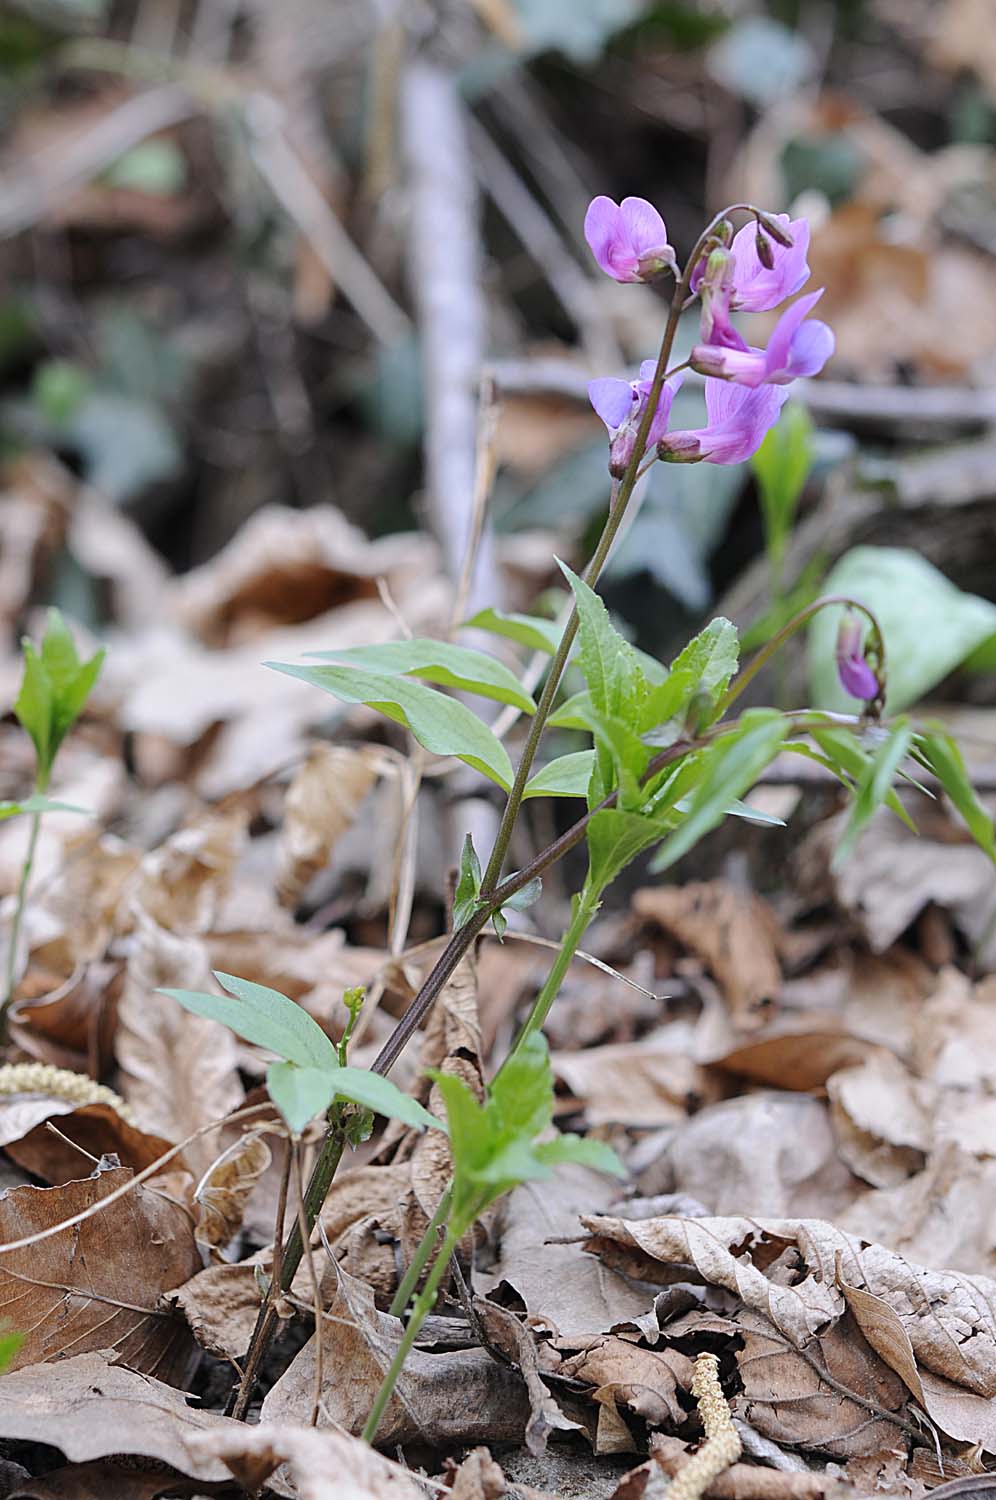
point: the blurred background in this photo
(259, 261)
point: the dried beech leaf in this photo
(90, 1407)
(98, 1284)
(320, 1465)
(224, 1189)
(322, 801)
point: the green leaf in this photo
(781, 467)
(300, 1093)
(615, 838)
(40, 805)
(527, 630)
(703, 671)
(567, 776)
(54, 689)
(730, 768)
(442, 663)
(441, 724)
(940, 750)
(264, 1017)
(9, 1345)
(573, 713)
(874, 786)
(33, 707)
(468, 885)
(581, 1152)
(929, 625)
(610, 665)
(371, 1091)
(848, 758)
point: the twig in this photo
(302, 1224)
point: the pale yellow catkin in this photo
(722, 1446)
(60, 1083)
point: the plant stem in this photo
(15, 926)
(424, 1303)
(585, 906)
(410, 1279)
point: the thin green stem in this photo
(765, 654)
(18, 918)
(410, 1279)
(424, 1303)
(585, 907)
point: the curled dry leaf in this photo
(515, 1342)
(641, 1083)
(645, 1380)
(320, 1465)
(224, 1190)
(90, 1407)
(463, 1396)
(97, 1284)
(94, 1130)
(322, 801)
(882, 1118)
(183, 884)
(948, 1317)
(732, 930)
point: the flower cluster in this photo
(745, 387)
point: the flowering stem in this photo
(15, 926)
(617, 510)
(746, 677)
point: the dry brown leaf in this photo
(93, 1130)
(463, 1396)
(740, 1481)
(732, 930)
(103, 1480)
(89, 1407)
(320, 1465)
(322, 801)
(645, 1380)
(562, 1289)
(37, 495)
(635, 1083)
(786, 1398)
(763, 1153)
(477, 1478)
(183, 884)
(178, 1071)
(794, 1055)
(72, 1025)
(85, 903)
(224, 1190)
(882, 1118)
(512, 1339)
(948, 1317)
(98, 1284)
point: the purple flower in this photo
(739, 419)
(628, 239)
(856, 676)
(758, 288)
(621, 404)
(716, 288)
(795, 348)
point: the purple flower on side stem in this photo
(739, 419)
(621, 404)
(795, 348)
(755, 286)
(628, 239)
(856, 676)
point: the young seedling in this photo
(55, 686)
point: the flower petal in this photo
(739, 418)
(780, 345)
(812, 346)
(644, 226)
(603, 230)
(614, 400)
(758, 289)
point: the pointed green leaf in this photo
(704, 669)
(528, 630)
(610, 665)
(370, 1090)
(581, 1152)
(875, 786)
(939, 748)
(33, 706)
(845, 754)
(439, 662)
(468, 885)
(441, 724)
(573, 713)
(567, 776)
(40, 805)
(615, 838)
(300, 1093)
(730, 769)
(264, 1017)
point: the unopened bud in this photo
(771, 226)
(680, 448)
(723, 233)
(765, 254)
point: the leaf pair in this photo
(53, 692)
(494, 1145)
(308, 1078)
(467, 893)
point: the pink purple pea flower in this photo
(628, 239)
(796, 347)
(739, 419)
(856, 676)
(621, 404)
(757, 287)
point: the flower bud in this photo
(856, 676)
(723, 233)
(680, 448)
(765, 254)
(771, 226)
